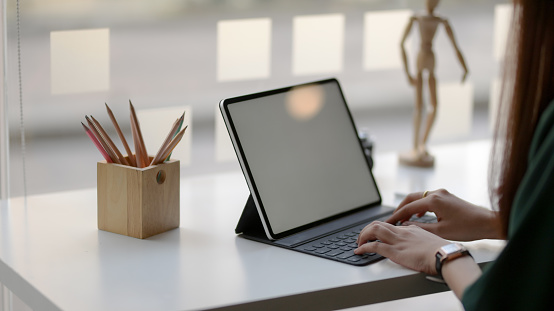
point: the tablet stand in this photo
(250, 225)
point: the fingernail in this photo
(356, 251)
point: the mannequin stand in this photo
(415, 158)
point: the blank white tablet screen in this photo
(304, 155)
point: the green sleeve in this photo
(522, 277)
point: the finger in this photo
(365, 232)
(420, 206)
(425, 226)
(377, 231)
(374, 247)
(358, 239)
(409, 199)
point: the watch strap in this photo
(439, 260)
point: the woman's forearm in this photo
(460, 273)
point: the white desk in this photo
(53, 257)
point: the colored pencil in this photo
(172, 145)
(109, 141)
(106, 147)
(121, 137)
(136, 143)
(178, 130)
(165, 143)
(97, 144)
(140, 158)
(140, 140)
(174, 130)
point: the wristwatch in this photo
(449, 252)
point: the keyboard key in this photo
(354, 259)
(318, 245)
(326, 242)
(334, 253)
(309, 248)
(342, 237)
(322, 250)
(341, 244)
(332, 246)
(350, 234)
(334, 240)
(346, 255)
(347, 248)
(351, 240)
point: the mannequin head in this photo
(431, 5)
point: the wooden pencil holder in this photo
(138, 202)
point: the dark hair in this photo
(528, 88)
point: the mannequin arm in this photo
(450, 34)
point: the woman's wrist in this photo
(459, 273)
(448, 253)
(494, 226)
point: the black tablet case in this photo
(250, 225)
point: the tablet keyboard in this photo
(340, 246)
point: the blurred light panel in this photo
(224, 151)
(80, 61)
(455, 110)
(502, 20)
(383, 33)
(317, 44)
(155, 124)
(243, 49)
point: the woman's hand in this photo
(415, 248)
(409, 246)
(457, 219)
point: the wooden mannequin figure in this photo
(428, 25)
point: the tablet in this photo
(301, 156)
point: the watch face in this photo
(451, 248)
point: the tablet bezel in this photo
(223, 105)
